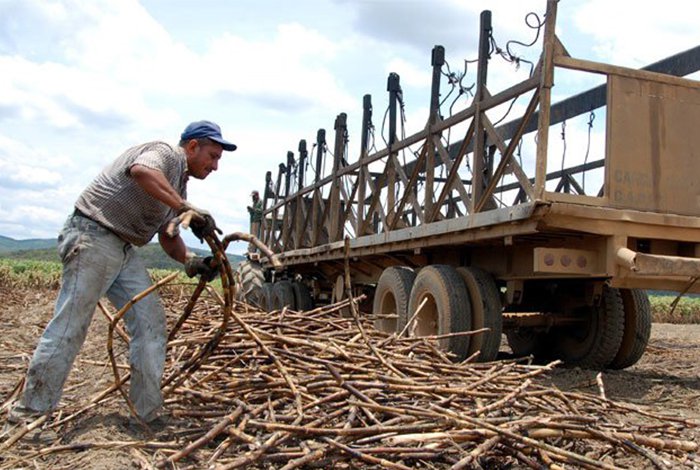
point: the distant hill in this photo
(10, 244)
(44, 249)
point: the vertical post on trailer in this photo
(320, 143)
(288, 215)
(364, 151)
(278, 186)
(366, 123)
(317, 195)
(275, 212)
(288, 176)
(334, 196)
(267, 194)
(301, 170)
(437, 61)
(340, 128)
(546, 83)
(394, 88)
(301, 206)
(481, 177)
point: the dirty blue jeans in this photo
(95, 263)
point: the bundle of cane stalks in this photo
(287, 389)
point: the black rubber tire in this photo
(283, 295)
(267, 297)
(486, 308)
(339, 294)
(252, 278)
(302, 297)
(447, 309)
(635, 338)
(391, 297)
(527, 341)
(595, 344)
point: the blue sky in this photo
(83, 80)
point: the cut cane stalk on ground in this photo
(434, 413)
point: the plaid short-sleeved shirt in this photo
(115, 200)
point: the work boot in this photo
(161, 423)
(18, 414)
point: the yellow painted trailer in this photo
(561, 272)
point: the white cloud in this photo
(82, 80)
(25, 220)
(116, 54)
(26, 176)
(289, 67)
(636, 32)
(66, 97)
(411, 75)
(23, 166)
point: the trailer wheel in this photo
(595, 343)
(526, 341)
(635, 303)
(446, 309)
(252, 279)
(302, 297)
(391, 297)
(486, 308)
(283, 295)
(339, 294)
(267, 297)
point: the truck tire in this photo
(302, 297)
(339, 294)
(527, 341)
(486, 308)
(391, 297)
(267, 298)
(594, 344)
(635, 303)
(446, 310)
(283, 295)
(252, 278)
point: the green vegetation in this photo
(37, 274)
(49, 255)
(152, 254)
(687, 309)
(30, 273)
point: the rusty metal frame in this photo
(383, 212)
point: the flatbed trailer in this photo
(494, 241)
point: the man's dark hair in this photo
(202, 141)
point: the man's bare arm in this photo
(174, 247)
(155, 184)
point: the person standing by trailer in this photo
(128, 203)
(255, 210)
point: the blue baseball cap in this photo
(208, 129)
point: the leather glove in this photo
(206, 268)
(203, 224)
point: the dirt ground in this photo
(666, 381)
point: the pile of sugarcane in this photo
(322, 388)
(294, 389)
(316, 387)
